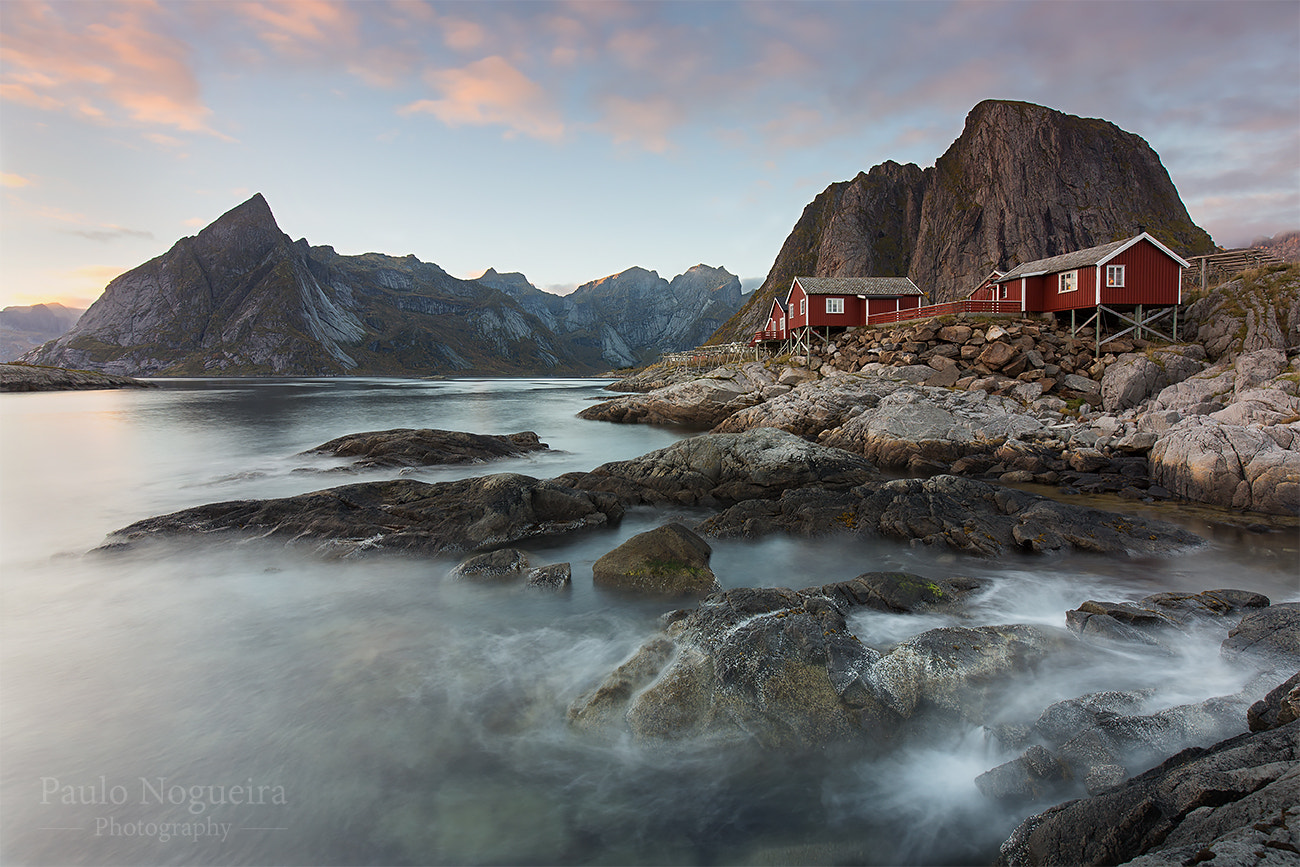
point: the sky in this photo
(574, 140)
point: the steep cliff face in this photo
(242, 298)
(1021, 182)
(631, 317)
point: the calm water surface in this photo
(250, 705)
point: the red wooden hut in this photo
(1137, 280)
(821, 306)
(774, 330)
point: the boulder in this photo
(716, 469)
(1135, 377)
(398, 515)
(408, 447)
(668, 561)
(1230, 465)
(505, 564)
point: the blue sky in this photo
(570, 141)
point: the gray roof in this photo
(875, 287)
(1064, 262)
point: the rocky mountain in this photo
(242, 298)
(1021, 182)
(24, 328)
(634, 316)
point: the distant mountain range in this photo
(242, 298)
(24, 328)
(1022, 182)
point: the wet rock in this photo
(398, 515)
(1184, 811)
(1268, 634)
(557, 576)
(781, 667)
(668, 561)
(964, 514)
(1034, 776)
(1151, 619)
(1279, 707)
(505, 564)
(408, 447)
(725, 468)
(605, 705)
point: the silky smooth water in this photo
(248, 704)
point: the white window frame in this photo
(1114, 276)
(834, 305)
(803, 306)
(1067, 282)
(1002, 292)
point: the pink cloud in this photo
(491, 92)
(108, 62)
(302, 25)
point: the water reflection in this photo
(414, 721)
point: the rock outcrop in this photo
(781, 667)
(1230, 435)
(419, 447)
(700, 401)
(721, 469)
(964, 514)
(1257, 310)
(1021, 182)
(27, 377)
(1229, 804)
(393, 516)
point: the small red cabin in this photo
(1135, 272)
(844, 302)
(775, 327)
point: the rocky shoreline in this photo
(30, 377)
(1024, 402)
(798, 451)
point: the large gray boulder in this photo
(1134, 377)
(666, 561)
(713, 469)
(399, 515)
(1229, 465)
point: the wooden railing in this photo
(763, 336)
(966, 306)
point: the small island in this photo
(32, 377)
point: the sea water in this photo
(249, 704)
